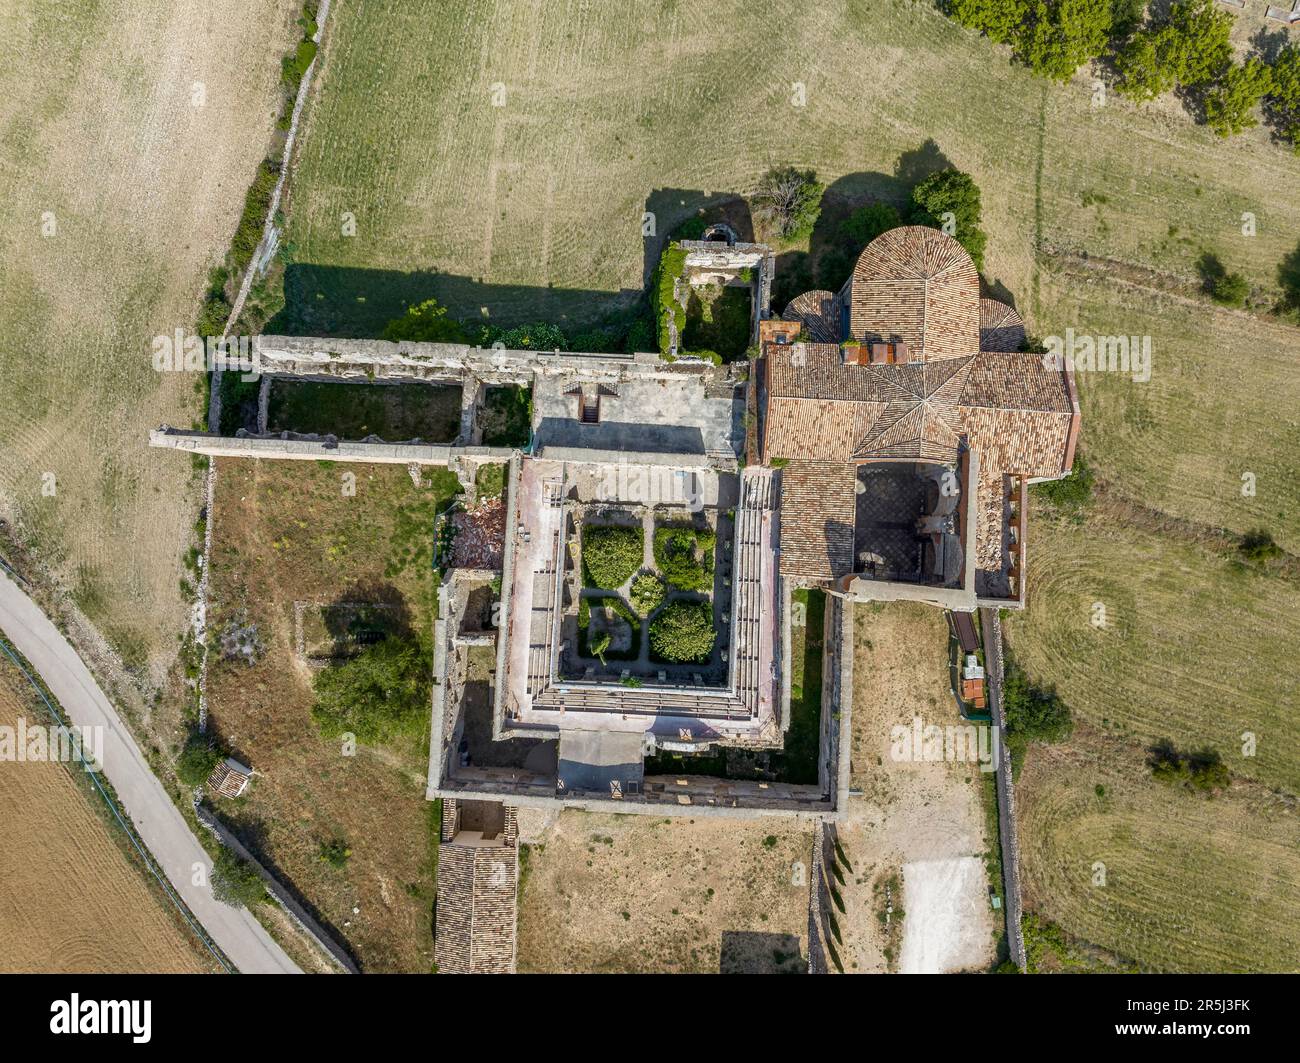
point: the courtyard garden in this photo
(646, 596)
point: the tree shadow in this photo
(366, 613)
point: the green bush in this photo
(490, 481)
(1074, 491)
(683, 632)
(647, 593)
(1231, 101)
(1033, 713)
(684, 556)
(866, 223)
(379, 694)
(610, 555)
(294, 65)
(197, 759)
(236, 882)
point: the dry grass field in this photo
(284, 533)
(1175, 881)
(74, 897)
(1195, 648)
(633, 893)
(117, 193)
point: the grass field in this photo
(74, 897)
(1174, 881)
(614, 893)
(111, 212)
(393, 412)
(286, 533)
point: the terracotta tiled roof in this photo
(819, 314)
(917, 285)
(476, 909)
(1001, 328)
(818, 512)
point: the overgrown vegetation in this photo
(1258, 547)
(684, 556)
(663, 286)
(426, 322)
(611, 555)
(490, 480)
(507, 416)
(379, 694)
(257, 202)
(683, 632)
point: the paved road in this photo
(992, 630)
(159, 823)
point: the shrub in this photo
(599, 645)
(426, 322)
(490, 481)
(999, 20)
(788, 202)
(335, 853)
(1072, 492)
(1033, 713)
(683, 632)
(647, 593)
(197, 759)
(236, 882)
(539, 336)
(379, 694)
(684, 556)
(294, 65)
(951, 192)
(1201, 769)
(611, 555)
(1258, 546)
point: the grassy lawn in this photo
(393, 412)
(285, 533)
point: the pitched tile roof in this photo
(819, 314)
(818, 512)
(916, 285)
(1001, 327)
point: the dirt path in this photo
(915, 838)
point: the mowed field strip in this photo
(117, 193)
(1181, 883)
(73, 897)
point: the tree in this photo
(950, 200)
(611, 555)
(647, 593)
(683, 632)
(1230, 103)
(599, 645)
(866, 223)
(1230, 289)
(380, 693)
(1063, 35)
(1191, 47)
(197, 760)
(539, 336)
(788, 202)
(999, 20)
(1282, 102)
(426, 323)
